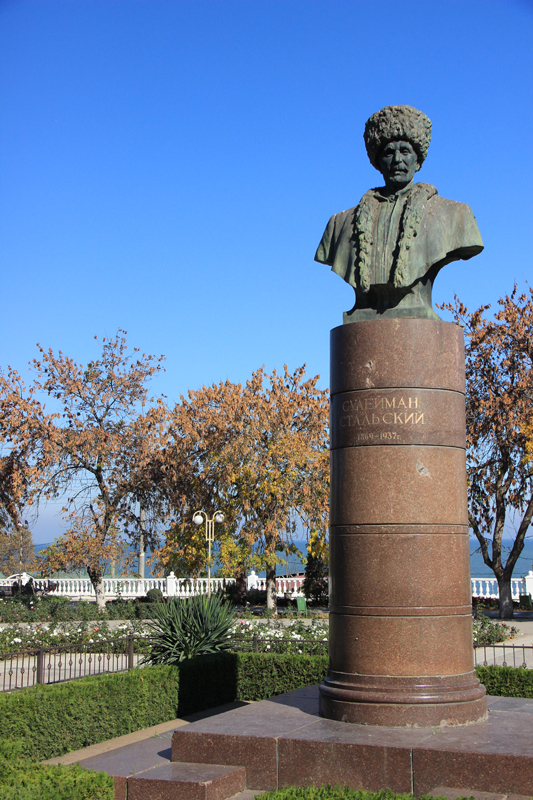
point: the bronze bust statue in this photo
(391, 246)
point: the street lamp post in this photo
(198, 518)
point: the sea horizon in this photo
(478, 568)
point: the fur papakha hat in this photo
(396, 123)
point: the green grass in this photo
(340, 793)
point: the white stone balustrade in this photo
(128, 588)
(488, 587)
(292, 586)
(171, 586)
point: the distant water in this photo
(478, 567)
(83, 574)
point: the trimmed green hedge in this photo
(47, 782)
(212, 680)
(53, 720)
(260, 678)
(22, 780)
(59, 718)
(506, 681)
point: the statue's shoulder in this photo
(341, 216)
(444, 204)
(456, 223)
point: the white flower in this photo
(18, 641)
(91, 641)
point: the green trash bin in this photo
(301, 605)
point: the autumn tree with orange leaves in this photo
(499, 411)
(259, 452)
(99, 449)
(25, 455)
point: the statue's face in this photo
(398, 163)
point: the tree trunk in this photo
(271, 587)
(506, 598)
(98, 584)
(240, 595)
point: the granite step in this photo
(143, 771)
(186, 781)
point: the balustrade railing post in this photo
(255, 643)
(172, 585)
(130, 652)
(528, 583)
(40, 665)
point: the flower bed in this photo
(488, 631)
(21, 637)
(276, 636)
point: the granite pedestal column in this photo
(400, 597)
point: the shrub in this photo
(488, 631)
(275, 636)
(154, 595)
(233, 592)
(224, 677)
(23, 780)
(256, 597)
(49, 634)
(263, 675)
(315, 584)
(60, 609)
(55, 719)
(188, 628)
(506, 681)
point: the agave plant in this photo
(189, 627)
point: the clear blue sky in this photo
(169, 167)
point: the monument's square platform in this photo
(283, 741)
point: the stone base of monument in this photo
(285, 742)
(455, 700)
(400, 644)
